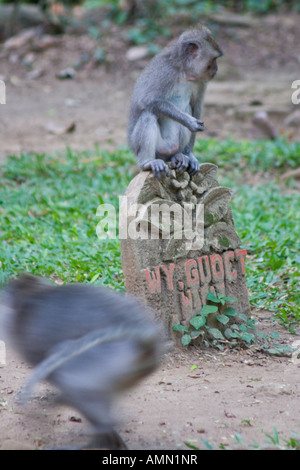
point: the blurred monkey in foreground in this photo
(89, 342)
(167, 102)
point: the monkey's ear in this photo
(191, 49)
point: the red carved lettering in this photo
(212, 290)
(191, 271)
(220, 289)
(217, 268)
(228, 258)
(169, 273)
(186, 300)
(204, 269)
(241, 255)
(153, 278)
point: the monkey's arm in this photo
(168, 109)
(69, 349)
(65, 351)
(193, 167)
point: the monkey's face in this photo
(211, 68)
(201, 59)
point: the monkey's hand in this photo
(180, 162)
(195, 125)
(158, 168)
(193, 165)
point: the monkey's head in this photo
(198, 54)
(12, 298)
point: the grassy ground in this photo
(48, 210)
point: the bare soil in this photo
(245, 392)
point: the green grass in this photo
(267, 218)
(48, 213)
(274, 441)
(48, 216)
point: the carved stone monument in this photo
(178, 243)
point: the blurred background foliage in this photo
(129, 10)
(147, 19)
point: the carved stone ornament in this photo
(178, 243)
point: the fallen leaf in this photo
(34, 74)
(137, 53)
(75, 419)
(56, 129)
(69, 72)
(229, 415)
(18, 41)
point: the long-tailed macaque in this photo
(167, 102)
(89, 342)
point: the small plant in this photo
(200, 324)
(236, 329)
(274, 440)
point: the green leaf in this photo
(215, 333)
(248, 337)
(206, 309)
(251, 323)
(194, 334)
(198, 321)
(273, 351)
(191, 446)
(213, 298)
(262, 335)
(235, 334)
(222, 319)
(228, 333)
(207, 444)
(95, 277)
(230, 312)
(274, 335)
(186, 339)
(229, 299)
(242, 316)
(179, 327)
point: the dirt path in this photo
(195, 396)
(234, 392)
(253, 75)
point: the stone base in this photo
(171, 275)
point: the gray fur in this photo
(167, 103)
(89, 342)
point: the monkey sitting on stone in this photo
(89, 342)
(167, 102)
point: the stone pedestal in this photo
(178, 243)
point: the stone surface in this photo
(172, 262)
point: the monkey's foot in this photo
(106, 441)
(158, 168)
(180, 162)
(110, 441)
(194, 166)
